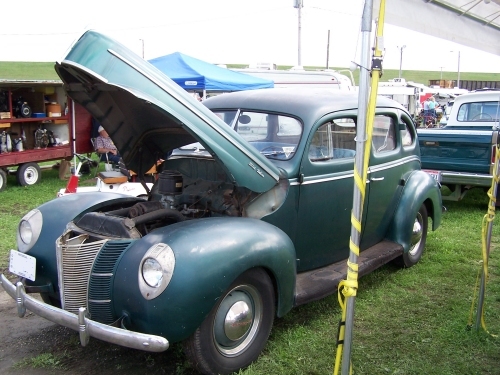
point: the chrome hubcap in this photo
(237, 320)
(416, 237)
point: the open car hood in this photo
(147, 114)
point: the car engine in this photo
(174, 198)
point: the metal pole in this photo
(299, 6)
(357, 209)
(401, 59)
(328, 50)
(458, 79)
(73, 130)
(441, 76)
(142, 40)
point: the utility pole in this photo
(458, 69)
(328, 50)
(441, 77)
(401, 59)
(142, 40)
(299, 4)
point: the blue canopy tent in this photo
(196, 75)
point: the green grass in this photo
(407, 321)
(28, 70)
(45, 70)
(19, 200)
(46, 361)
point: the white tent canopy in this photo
(472, 23)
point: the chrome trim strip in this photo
(80, 323)
(194, 111)
(372, 169)
(326, 179)
(392, 164)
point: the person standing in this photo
(432, 107)
(426, 107)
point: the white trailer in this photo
(303, 78)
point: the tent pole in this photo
(73, 130)
(357, 209)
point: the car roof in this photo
(308, 104)
(493, 95)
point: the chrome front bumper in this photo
(85, 326)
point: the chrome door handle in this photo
(376, 178)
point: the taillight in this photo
(493, 153)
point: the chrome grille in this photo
(101, 278)
(75, 258)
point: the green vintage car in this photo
(250, 215)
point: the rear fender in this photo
(420, 188)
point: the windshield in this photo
(275, 136)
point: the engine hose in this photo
(119, 212)
(164, 213)
(142, 208)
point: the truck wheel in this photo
(234, 333)
(3, 179)
(418, 239)
(28, 174)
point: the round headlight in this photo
(152, 272)
(25, 232)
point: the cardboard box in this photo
(4, 115)
(5, 125)
(53, 110)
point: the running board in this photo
(321, 282)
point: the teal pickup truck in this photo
(461, 154)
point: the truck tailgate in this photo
(456, 150)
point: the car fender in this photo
(209, 255)
(56, 214)
(420, 188)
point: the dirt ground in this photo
(33, 337)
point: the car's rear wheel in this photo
(236, 330)
(418, 239)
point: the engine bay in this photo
(175, 197)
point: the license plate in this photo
(434, 174)
(22, 265)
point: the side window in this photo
(384, 139)
(334, 140)
(407, 137)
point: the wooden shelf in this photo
(33, 119)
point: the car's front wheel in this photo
(236, 330)
(418, 239)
